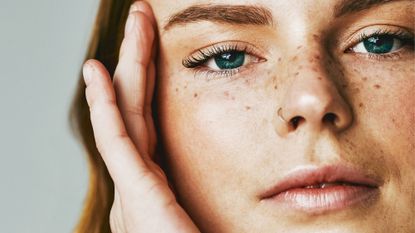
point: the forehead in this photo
(165, 10)
(280, 9)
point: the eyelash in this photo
(404, 36)
(201, 56)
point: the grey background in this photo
(43, 171)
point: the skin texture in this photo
(226, 153)
(224, 141)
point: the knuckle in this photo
(134, 110)
(109, 146)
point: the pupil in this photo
(379, 44)
(230, 60)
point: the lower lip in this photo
(321, 200)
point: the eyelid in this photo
(373, 30)
(203, 54)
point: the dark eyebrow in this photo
(353, 6)
(230, 14)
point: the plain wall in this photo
(43, 170)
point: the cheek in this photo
(389, 114)
(212, 131)
(393, 104)
(221, 123)
(222, 116)
(383, 93)
(209, 134)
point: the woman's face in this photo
(289, 116)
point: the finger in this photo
(151, 76)
(116, 148)
(144, 7)
(131, 76)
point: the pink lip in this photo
(343, 187)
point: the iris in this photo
(379, 44)
(230, 60)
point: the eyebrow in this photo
(230, 14)
(352, 6)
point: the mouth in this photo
(320, 190)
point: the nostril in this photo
(330, 117)
(295, 121)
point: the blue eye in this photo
(230, 60)
(223, 60)
(379, 44)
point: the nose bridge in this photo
(312, 99)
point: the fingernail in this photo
(134, 7)
(87, 71)
(129, 26)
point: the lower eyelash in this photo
(215, 74)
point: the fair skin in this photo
(225, 142)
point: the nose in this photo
(312, 102)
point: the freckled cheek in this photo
(222, 116)
(406, 114)
(212, 131)
(392, 109)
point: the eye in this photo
(228, 60)
(223, 59)
(378, 44)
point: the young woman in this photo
(250, 116)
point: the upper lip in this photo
(306, 176)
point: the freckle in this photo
(361, 105)
(185, 86)
(315, 69)
(276, 87)
(177, 89)
(377, 86)
(226, 93)
(364, 78)
(294, 58)
(316, 37)
(195, 95)
(299, 47)
(248, 108)
(296, 73)
(317, 57)
(319, 78)
(233, 98)
(300, 67)
(279, 59)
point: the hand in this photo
(125, 135)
